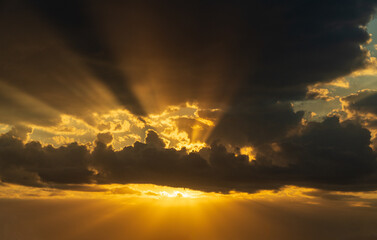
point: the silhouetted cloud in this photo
(225, 72)
(72, 20)
(327, 155)
(256, 123)
(152, 55)
(244, 63)
(362, 102)
(105, 138)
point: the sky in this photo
(188, 119)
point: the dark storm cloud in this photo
(302, 43)
(256, 123)
(40, 78)
(362, 102)
(248, 59)
(313, 42)
(328, 155)
(219, 53)
(154, 140)
(70, 17)
(35, 165)
(362, 106)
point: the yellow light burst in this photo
(248, 151)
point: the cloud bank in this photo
(242, 63)
(328, 155)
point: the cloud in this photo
(146, 56)
(362, 102)
(17, 107)
(327, 155)
(361, 107)
(105, 138)
(21, 132)
(330, 153)
(83, 36)
(256, 123)
(35, 165)
(195, 129)
(243, 63)
(154, 140)
(319, 93)
(124, 190)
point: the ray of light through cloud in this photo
(188, 120)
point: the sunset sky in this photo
(189, 120)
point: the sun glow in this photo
(126, 128)
(175, 194)
(140, 192)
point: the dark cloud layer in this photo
(219, 53)
(256, 123)
(79, 31)
(327, 155)
(248, 59)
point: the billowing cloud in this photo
(35, 165)
(327, 155)
(330, 154)
(256, 123)
(91, 57)
(231, 112)
(241, 63)
(105, 138)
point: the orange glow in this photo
(151, 212)
(158, 194)
(248, 151)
